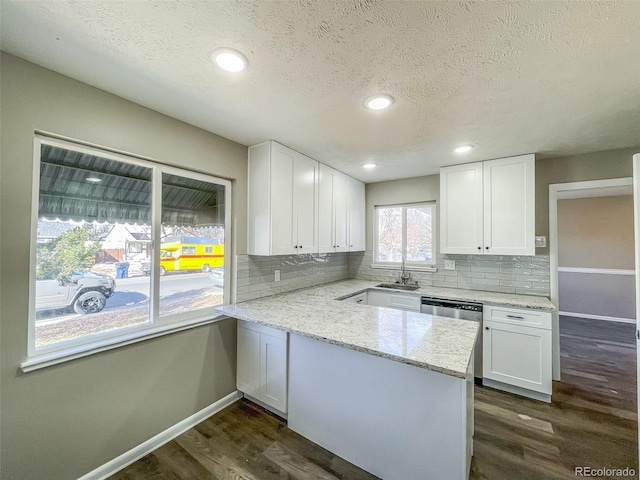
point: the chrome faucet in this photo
(404, 276)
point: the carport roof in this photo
(123, 193)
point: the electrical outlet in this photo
(449, 264)
(276, 273)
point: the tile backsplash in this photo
(493, 273)
(256, 278)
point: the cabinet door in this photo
(356, 216)
(283, 233)
(248, 376)
(273, 372)
(259, 200)
(305, 184)
(519, 356)
(509, 209)
(461, 229)
(377, 298)
(326, 222)
(341, 213)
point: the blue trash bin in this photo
(122, 270)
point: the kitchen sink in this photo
(398, 286)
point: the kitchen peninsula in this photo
(389, 390)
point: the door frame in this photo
(636, 231)
(554, 191)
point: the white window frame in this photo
(415, 266)
(158, 325)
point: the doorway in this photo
(587, 271)
(593, 284)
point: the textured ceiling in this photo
(554, 78)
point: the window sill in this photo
(44, 360)
(408, 268)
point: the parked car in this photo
(86, 292)
(217, 276)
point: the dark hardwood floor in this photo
(591, 422)
(243, 441)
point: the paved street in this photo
(134, 292)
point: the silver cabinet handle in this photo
(515, 317)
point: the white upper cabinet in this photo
(341, 212)
(461, 226)
(305, 206)
(488, 207)
(282, 201)
(509, 206)
(356, 215)
(326, 228)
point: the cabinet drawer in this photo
(359, 298)
(256, 327)
(517, 316)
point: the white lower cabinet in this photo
(517, 351)
(377, 298)
(403, 302)
(400, 301)
(262, 365)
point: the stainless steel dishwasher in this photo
(463, 311)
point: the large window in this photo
(122, 248)
(405, 231)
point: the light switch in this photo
(541, 241)
(449, 264)
(276, 274)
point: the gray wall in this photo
(577, 168)
(596, 233)
(63, 421)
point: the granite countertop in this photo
(441, 344)
(346, 288)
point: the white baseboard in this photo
(136, 453)
(598, 317)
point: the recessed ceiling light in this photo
(229, 59)
(369, 165)
(463, 148)
(379, 102)
(93, 179)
